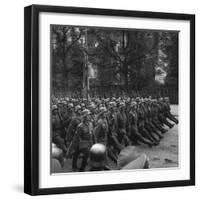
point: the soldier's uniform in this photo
(141, 124)
(57, 133)
(101, 132)
(155, 121)
(101, 136)
(167, 111)
(68, 116)
(161, 116)
(113, 144)
(64, 108)
(76, 120)
(81, 143)
(121, 126)
(153, 128)
(93, 120)
(133, 128)
(147, 124)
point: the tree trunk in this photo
(126, 82)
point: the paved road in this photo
(166, 153)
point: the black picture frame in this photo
(31, 98)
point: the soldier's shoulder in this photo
(80, 125)
(65, 116)
(74, 118)
(118, 113)
(100, 121)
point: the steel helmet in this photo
(97, 156)
(54, 107)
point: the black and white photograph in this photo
(114, 99)
(109, 99)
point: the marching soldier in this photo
(68, 115)
(76, 120)
(167, 110)
(161, 116)
(58, 129)
(133, 127)
(64, 108)
(101, 132)
(155, 121)
(153, 130)
(101, 129)
(121, 125)
(146, 121)
(141, 124)
(81, 142)
(113, 143)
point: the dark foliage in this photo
(126, 60)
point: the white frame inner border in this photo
(46, 180)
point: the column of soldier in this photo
(78, 124)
